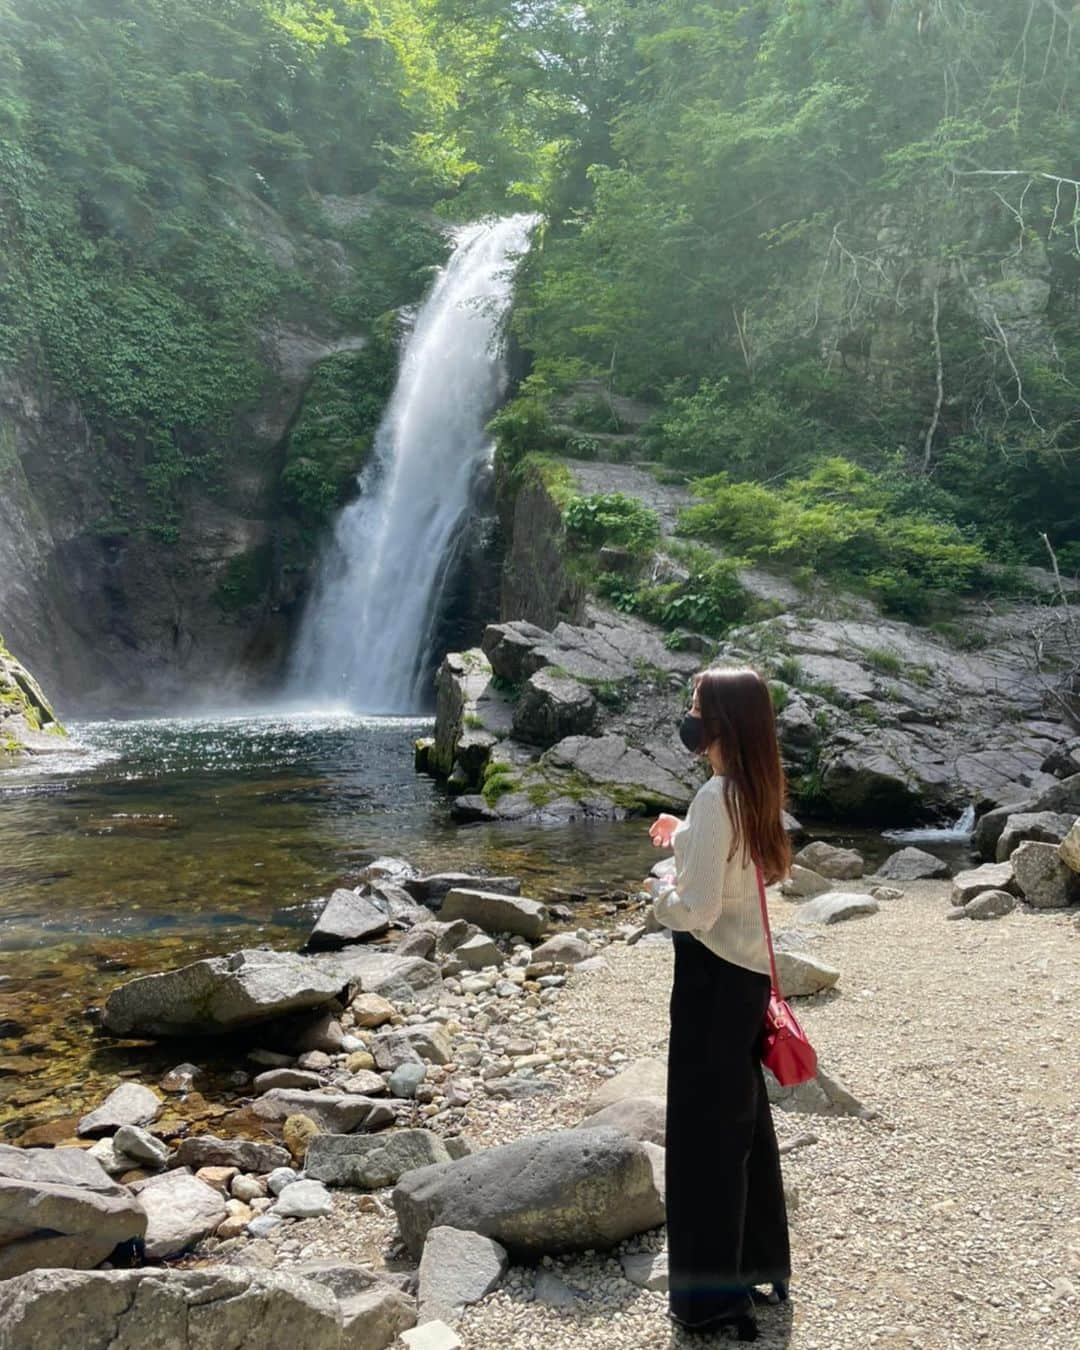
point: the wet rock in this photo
(180, 1211)
(835, 907)
(457, 1268)
(182, 1078)
(370, 1162)
(838, 864)
(564, 1191)
(231, 1306)
(347, 917)
(1043, 878)
(129, 1104)
(642, 1118)
(58, 1207)
(386, 868)
(219, 993)
(497, 913)
(1046, 827)
(912, 864)
(206, 1150)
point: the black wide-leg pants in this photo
(726, 1216)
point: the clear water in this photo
(167, 840)
(366, 633)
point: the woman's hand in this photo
(662, 828)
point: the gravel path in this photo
(950, 1221)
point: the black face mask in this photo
(692, 733)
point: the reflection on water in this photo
(166, 840)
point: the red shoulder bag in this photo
(786, 1052)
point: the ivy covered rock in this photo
(28, 725)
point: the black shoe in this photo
(743, 1325)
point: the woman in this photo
(727, 1221)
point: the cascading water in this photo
(367, 625)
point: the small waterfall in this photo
(364, 637)
(960, 833)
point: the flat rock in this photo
(642, 1118)
(248, 1155)
(337, 1113)
(497, 913)
(802, 975)
(227, 1306)
(989, 877)
(220, 993)
(371, 1161)
(129, 1104)
(642, 1078)
(180, 1211)
(58, 1207)
(568, 1190)
(835, 907)
(347, 917)
(839, 864)
(457, 1268)
(912, 864)
(1046, 882)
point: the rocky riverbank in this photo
(448, 1113)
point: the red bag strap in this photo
(768, 930)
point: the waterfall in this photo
(364, 636)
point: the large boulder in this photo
(564, 1191)
(347, 917)
(651, 774)
(180, 1210)
(838, 864)
(496, 913)
(1062, 798)
(1070, 848)
(1044, 880)
(220, 993)
(241, 1308)
(1044, 827)
(129, 1104)
(371, 1161)
(552, 706)
(509, 646)
(58, 1207)
(912, 864)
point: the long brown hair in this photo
(736, 710)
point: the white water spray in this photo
(368, 624)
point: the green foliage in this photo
(840, 521)
(884, 662)
(710, 601)
(245, 579)
(611, 518)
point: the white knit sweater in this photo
(713, 898)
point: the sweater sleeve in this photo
(702, 844)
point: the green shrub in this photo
(611, 518)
